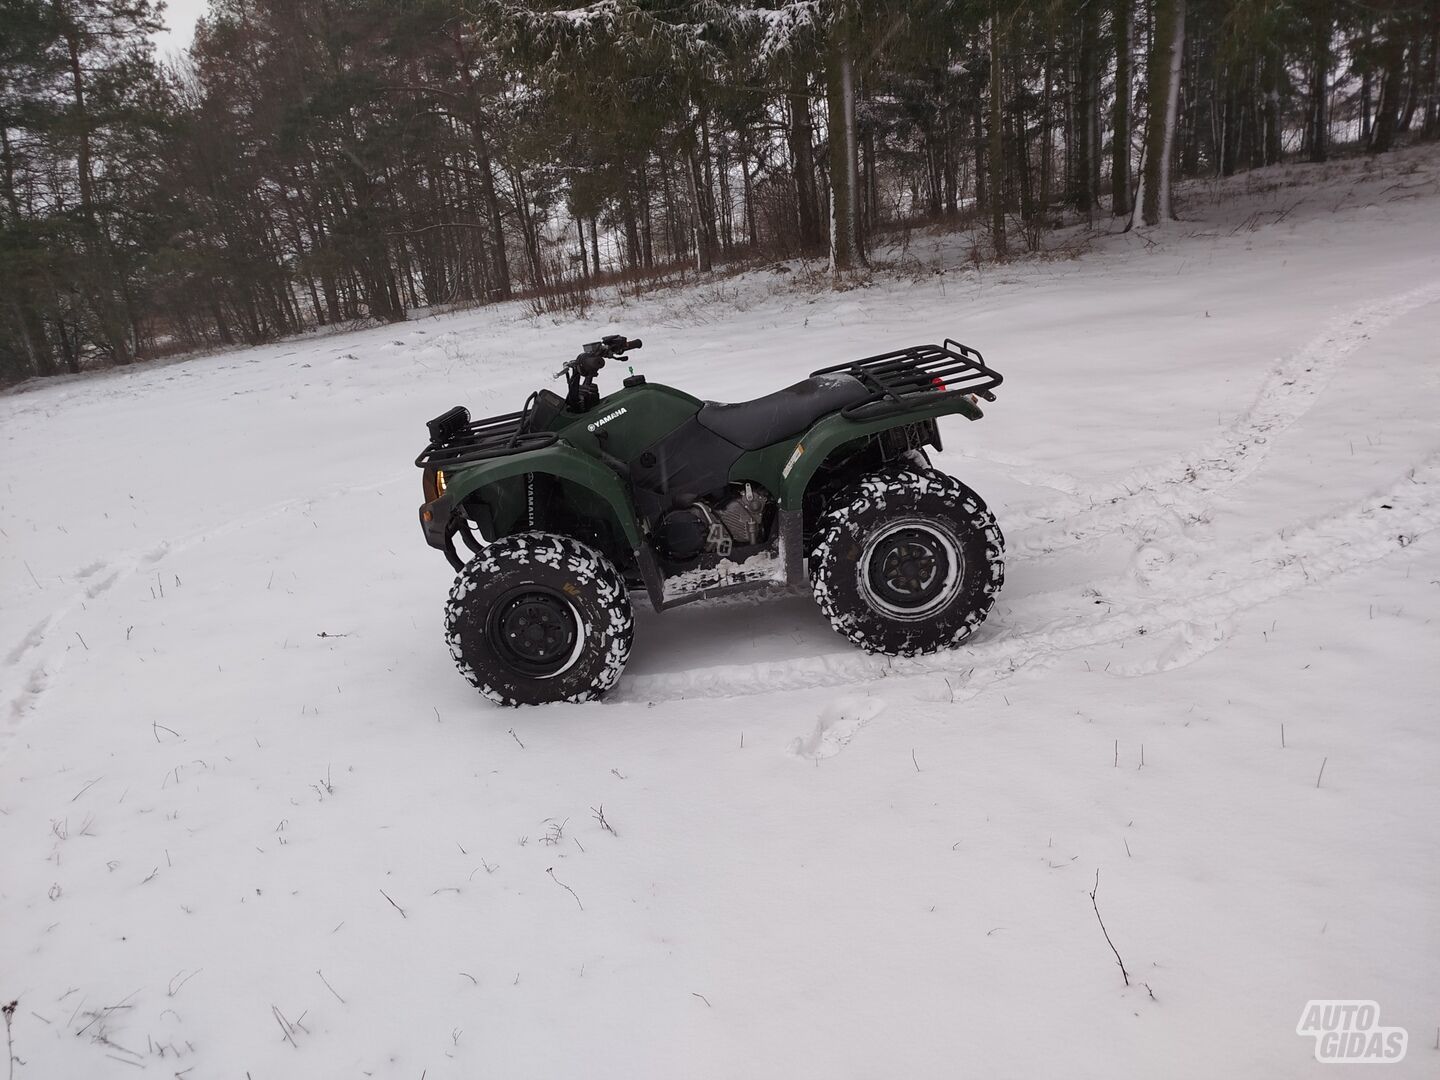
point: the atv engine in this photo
(715, 527)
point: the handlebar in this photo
(593, 356)
(612, 345)
(580, 373)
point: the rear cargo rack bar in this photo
(456, 443)
(892, 377)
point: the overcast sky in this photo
(180, 16)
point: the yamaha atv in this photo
(574, 505)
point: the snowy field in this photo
(254, 824)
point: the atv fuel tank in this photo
(626, 422)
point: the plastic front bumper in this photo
(436, 522)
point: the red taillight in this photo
(938, 383)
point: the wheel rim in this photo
(911, 568)
(535, 630)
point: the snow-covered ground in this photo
(253, 823)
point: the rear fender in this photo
(785, 469)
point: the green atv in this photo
(573, 505)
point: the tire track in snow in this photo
(1186, 603)
(1187, 484)
(1183, 486)
(1164, 494)
(1159, 497)
(1026, 470)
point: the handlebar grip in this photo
(634, 343)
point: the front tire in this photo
(536, 618)
(907, 562)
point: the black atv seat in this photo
(751, 425)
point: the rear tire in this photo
(537, 618)
(907, 562)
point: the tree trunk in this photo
(1367, 96)
(1318, 128)
(69, 349)
(633, 254)
(1047, 130)
(500, 287)
(703, 261)
(846, 251)
(870, 184)
(111, 324)
(1020, 159)
(1186, 160)
(1432, 74)
(27, 314)
(1229, 144)
(1087, 111)
(217, 313)
(934, 186)
(997, 143)
(948, 173)
(727, 225)
(1163, 97)
(529, 230)
(674, 231)
(1387, 113)
(977, 122)
(32, 334)
(1274, 118)
(647, 240)
(1412, 88)
(1120, 140)
(748, 189)
(706, 179)
(802, 158)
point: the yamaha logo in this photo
(605, 419)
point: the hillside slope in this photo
(254, 823)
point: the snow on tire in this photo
(536, 618)
(907, 562)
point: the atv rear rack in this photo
(455, 439)
(892, 377)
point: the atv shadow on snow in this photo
(716, 633)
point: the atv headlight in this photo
(434, 484)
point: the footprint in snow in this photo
(1162, 546)
(29, 641)
(837, 725)
(1174, 647)
(34, 686)
(103, 585)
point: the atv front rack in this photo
(455, 439)
(951, 369)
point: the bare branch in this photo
(1124, 974)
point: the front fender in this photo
(558, 460)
